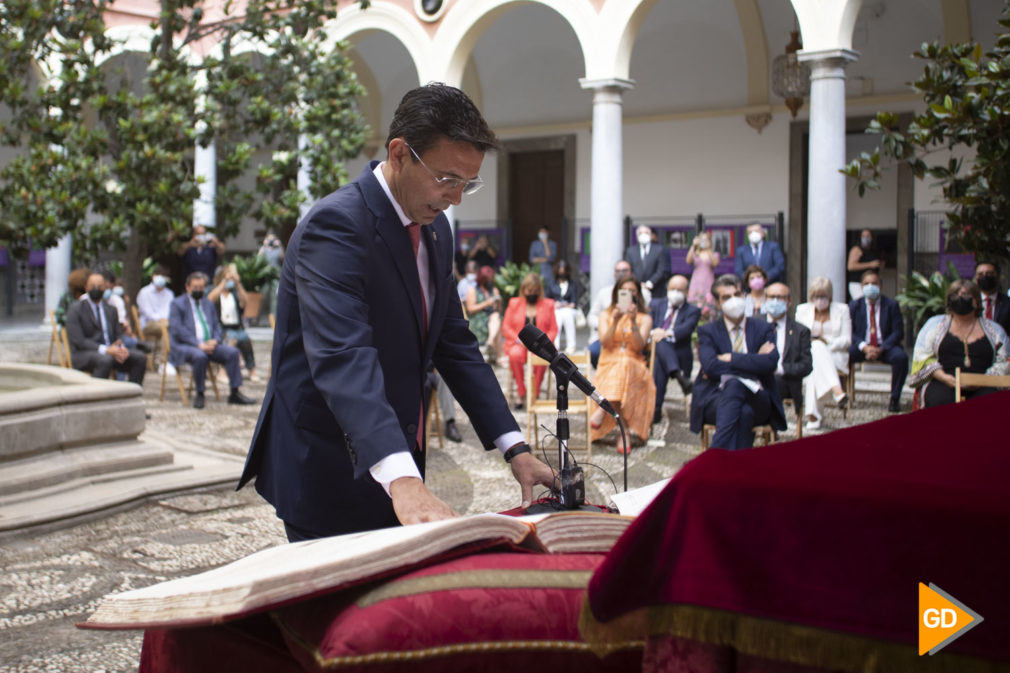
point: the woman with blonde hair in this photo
(830, 335)
(529, 308)
(622, 375)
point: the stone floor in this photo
(52, 579)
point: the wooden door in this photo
(536, 198)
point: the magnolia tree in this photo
(967, 95)
(110, 159)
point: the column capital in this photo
(839, 57)
(610, 84)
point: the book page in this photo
(578, 531)
(631, 503)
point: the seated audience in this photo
(961, 337)
(877, 333)
(153, 302)
(483, 306)
(831, 335)
(735, 389)
(995, 303)
(766, 254)
(565, 294)
(529, 308)
(704, 260)
(77, 283)
(600, 303)
(446, 404)
(115, 296)
(792, 340)
(754, 281)
(229, 299)
(623, 372)
(674, 322)
(96, 337)
(196, 338)
(468, 281)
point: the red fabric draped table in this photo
(807, 555)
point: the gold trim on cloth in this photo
(477, 579)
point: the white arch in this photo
(386, 18)
(827, 25)
(619, 23)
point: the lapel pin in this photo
(434, 236)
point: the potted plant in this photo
(255, 273)
(926, 297)
(508, 278)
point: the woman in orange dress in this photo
(529, 308)
(622, 375)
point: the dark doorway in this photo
(536, 198)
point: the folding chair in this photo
(433, 409)
(137, 332)
(578, 404)
(54, 341)
(762, 432)
(978, 380)
(65, 342)
(211, 373)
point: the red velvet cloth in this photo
(835, 531)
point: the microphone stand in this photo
(573, 488)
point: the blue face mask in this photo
(230, 285)
(776, 307)
(107, 294)
(159, 281)
(871, 292)
(118, 291)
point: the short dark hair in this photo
(726, 280)
(868, 272)
(752, 270)
(437, 110)
(109, 276)
(197, 275)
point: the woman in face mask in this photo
(704, 260)
(961, 337)
(754, 281)
(564, 292)
(229, 299)
(483, 306)
(531, 307)
(622, 374)
(830, 335)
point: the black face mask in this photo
(532, 298)
(96, 294)
(197, 295)
(987, 282)
(961, 305)
(563, 277)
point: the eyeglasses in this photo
(468, 186)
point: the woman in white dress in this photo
(830, 334)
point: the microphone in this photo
(540, 345)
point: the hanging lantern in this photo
(790, 77)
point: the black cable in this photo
(627, 449)
(575, 462)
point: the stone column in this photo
(826, 251)
(607, 207)
(205, 166)
(57, 273)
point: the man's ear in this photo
(398, 153)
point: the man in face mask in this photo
(793, 343)
(877, 333)
(995, 304)
(756, 250)
(96, 337)
(544, 252)
(650, 262)
(469, 280)
(195, 335)
(600, 302)
(735, 389)
(153, 302)
(675, 321)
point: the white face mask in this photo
(821, 303)
(644, 239)
(472, 277)
(755, 237)
(733, 308)
(675, 297)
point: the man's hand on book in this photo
(414, 503)
(530, 472)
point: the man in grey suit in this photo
(95, 337)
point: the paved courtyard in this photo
(52, 578)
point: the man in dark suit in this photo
(793, 343)
(766, 254)
(650, 261)
(735, 389)
(877, 333)
(995, 303)
(366, 302)
(674, 321)
(95, 336)
(195, 336)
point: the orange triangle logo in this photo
(942, 619)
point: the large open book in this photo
(287, 573)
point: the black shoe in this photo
(843, 401)
(452, 432)
(198, 401)
(657, 417)
(144, 347)
(237, 397)
(518, 406)
(895, 405)
(685, 383)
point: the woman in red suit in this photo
(529, 307)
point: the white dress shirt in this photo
(153, 303)
(876, 318)
(229, 309)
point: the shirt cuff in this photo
(393, 467)
(862, 345)
(508, 440)
(102, 348)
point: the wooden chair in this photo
(762, 432)
(139, 334)
(65, 342)
(978, 380)
(788, 401)
(849, 383)
(578, 404)
(433, 410)
(54, 341)
(273, 324)
(211, 373)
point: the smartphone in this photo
(624, 300)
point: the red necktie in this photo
(414, 229)
(873, 324)
(988, 308)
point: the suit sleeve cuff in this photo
(393, 467)
(505, 442)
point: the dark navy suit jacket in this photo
(713, 339)
(891, 330)
(771, 260)
(655, 267)
(683, 327)
(182, 328)
(349, 361)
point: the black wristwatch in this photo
(516, 450)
